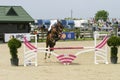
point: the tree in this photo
(101, 15)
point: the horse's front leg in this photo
(51, 49)
(50, 53)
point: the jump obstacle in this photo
(100, 50)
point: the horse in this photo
(53, 35)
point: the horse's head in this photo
(60, 27)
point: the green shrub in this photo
(114, 43)
(13, 45)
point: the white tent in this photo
(80, 23)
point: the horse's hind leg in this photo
(51, 46)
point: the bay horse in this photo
(53, 35)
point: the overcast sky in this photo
(59, 9)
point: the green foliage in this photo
(102, 14)
(114, 43)
(68, 18)
(13, 45)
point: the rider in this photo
(53, 23)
